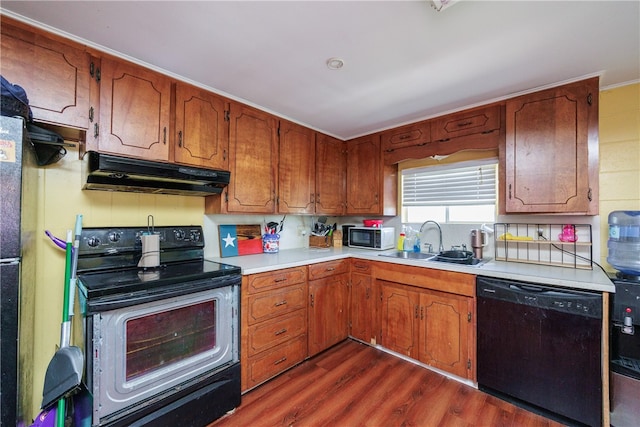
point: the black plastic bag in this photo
(14, 101)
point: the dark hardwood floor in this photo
(353, 384)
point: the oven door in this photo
(150, 351)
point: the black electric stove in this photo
(109, 276)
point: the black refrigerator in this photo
(18, 216)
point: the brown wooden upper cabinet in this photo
(551, 154)
(330, 175)
(253, 156)
(201, 128)
(469, 122)
(364, 194)
(297, 169)
(311, 172)
(415, 134)
(54, 74)
(371, 186)
(135, 111)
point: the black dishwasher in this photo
(540, 347)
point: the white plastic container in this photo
(624, 241)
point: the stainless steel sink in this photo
(410, 255)
(452, 257)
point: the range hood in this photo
(114, 173)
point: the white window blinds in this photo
(450, 186)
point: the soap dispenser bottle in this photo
(400, 245)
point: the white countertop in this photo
(590, 280)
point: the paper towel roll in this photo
(150, 251)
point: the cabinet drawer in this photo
(269, 305)
(269, 334)
(274, 361)
(480, 120)
(406, 136)
(318, 271)
(276, 279)
(360, 266)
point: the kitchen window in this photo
(461, 192)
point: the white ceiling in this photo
(404, 61)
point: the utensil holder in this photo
(320, 241)
(271, 243)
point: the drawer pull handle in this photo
(281, 331)
(283, 302)
(330, 269)
(281, 279)
(463, 124)
(279, 361)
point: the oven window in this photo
(161, 338)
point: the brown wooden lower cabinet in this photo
(444, 332)
(273, 324)
(424, 314)
(363, 303)
(434, 327)
(328, 305)
(429, 326)
(270, 363)
(271, 333)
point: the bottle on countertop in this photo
(400, 245)
(408, 242)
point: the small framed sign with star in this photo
(236, 240)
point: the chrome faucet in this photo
(440, 246)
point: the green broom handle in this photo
(65, 317)
(67, 277)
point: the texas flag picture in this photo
(238, 240)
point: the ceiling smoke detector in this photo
(440, 5)
(335, 63)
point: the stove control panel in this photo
(96, 241)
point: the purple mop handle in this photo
(62, 244)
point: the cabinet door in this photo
(331, 169)
(201, 131)
(253, 160)
(364, 176)
(362, 307)
(134, 111)
(54, 75)
(415, 134)
(469, 122)
(328, 312)
(547, 150)
(444, 326)
(399, 319)
(296, 170)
